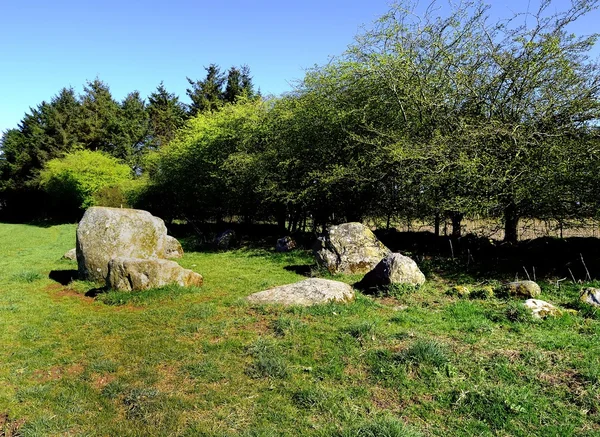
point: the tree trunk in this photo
(511, 221)
(436, 223)
(456, 218)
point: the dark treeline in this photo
(427, 117)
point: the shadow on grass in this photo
(63, 277)
(96, 291)
(301, 269)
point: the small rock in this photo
(225, 239)
(393, 269)
(527, 289)
(285, 244)
(308, 292)
(590, 296)
(71, 255)
(134, 274)
(541, 309)
(173, 248)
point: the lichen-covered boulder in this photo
(173, 248)
(308, 292)
(393, 269)
(107, 233)
(526, 289)
(285, 244)
(71, 254)
(134, 274)
(349, 248)
(591, 296)
(541, 309)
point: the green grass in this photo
(202, 361)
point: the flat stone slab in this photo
(305, 293)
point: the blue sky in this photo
(133, 45)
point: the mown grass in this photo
(176, 361)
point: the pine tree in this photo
(207, 94)
(167, 114)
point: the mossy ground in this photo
(177, 361)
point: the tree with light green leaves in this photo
(85, 178)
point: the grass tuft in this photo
(268, 361)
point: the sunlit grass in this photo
(202, 361)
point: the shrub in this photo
(83, 179)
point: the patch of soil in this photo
(10, 427)
(58, 291)
(101, 381)
(55, 373)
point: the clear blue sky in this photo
(133, 45)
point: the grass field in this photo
(202, 362)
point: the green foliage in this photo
(211, 168)
(84, 178)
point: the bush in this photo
(83, 179)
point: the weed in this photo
(309, 398)
(364, 330)
(424, 352)
(268, 361)
(492, 405)
(139, 402)
(27, 276)
(516, 312)
(285, 325)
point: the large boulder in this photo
(591, 296)
(526, 289)
(134, 274)
(349, 248)
(393, 269)
(173, 249)
(308, 292)
(107, 233)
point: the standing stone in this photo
(393, 269)
(526, 289)
(591, 296)
(106, 233)
(349, 248)
(134, 274)
(308, 292)
(173, 249)
(71, 254)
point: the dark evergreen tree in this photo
(167, 114)
(99, 117)
(207, 94)
(234, 85)
(132, 129)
